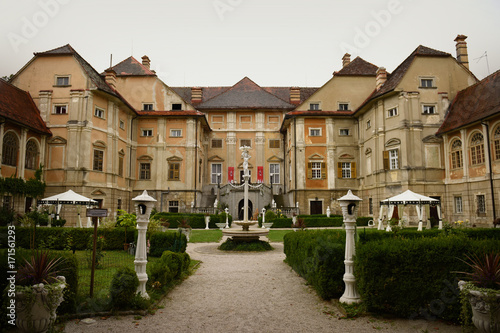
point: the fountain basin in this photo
(245, 234)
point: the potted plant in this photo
(185, 228)
(39, 291)
(482, 292)
(126, 220)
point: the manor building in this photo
(111, 135)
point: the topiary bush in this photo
(123, 288)
(171, 266)
(167, 241)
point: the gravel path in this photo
(248, 292)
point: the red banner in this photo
(260, 174)
(230, 174)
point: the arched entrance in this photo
(240, 209)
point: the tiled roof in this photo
(358, 67)
(186, 113)
(131, 67)
(17, 106)
(473, 104)
(397, 75)
(244, 94)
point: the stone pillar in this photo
(143, 207)
(349, 204)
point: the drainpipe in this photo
(195, 160)
(295, 160)
(485, 124)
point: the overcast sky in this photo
(273, 42)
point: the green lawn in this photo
(205, 236)
(277, 235)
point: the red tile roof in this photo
(473, 104)
(17, 106)
(131, 67)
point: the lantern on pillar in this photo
(349, 204)
(143, 206)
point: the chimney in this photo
(110, 78)
(196, 95)
(380, 78)
(346, 59)
(462, 56)
(145, 61)
(295, 95)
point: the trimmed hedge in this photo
(58, 238)
(196, 221)
(412, 277)
(318, 256)
(171, 266)
(167, 241)
(315, 221)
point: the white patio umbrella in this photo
(67, 198)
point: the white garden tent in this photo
(409, 198)
(68, 198)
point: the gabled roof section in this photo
(473, 104)
(397, 75)
(17, 106)
(358, 67)
(131, 67)
(245, 94)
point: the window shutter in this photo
(386, 160)
(339, 169)
(309, 170)
(353, 169)
(323, 170)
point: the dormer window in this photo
(147, 107)
(314, 107)
(343, 107)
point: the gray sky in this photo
(274, 42)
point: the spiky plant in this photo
(485, 270)
(40, 267)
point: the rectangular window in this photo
(60, 109)
(98, 160)
(119, 204)
(426, 83)
(393, 159)
(173, 171)
(314, 107)
(428, 109)
(346, 170)
(314, 131)
(62, 81)
(246, 119)
(343, 106)
(147, 107)
(274, 173)
(481, 204)
(316, 170)
(273, 143)
(456, 159)
(216, 143)
(120, 166)
(392, 112)
(245, 143)
(458, 205)
(368, 124)
(145, 171)
(99, 113)
(216, 174)
(344, 132)
(176, 107)
(122, 124)
(370, 206)
(146, 132)
(176, 133)
(173, 206)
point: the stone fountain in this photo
(246, 233)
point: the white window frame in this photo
(57, 77)
(173, 206)
(458, 204)
(346, 169)
(344, 132)
(215, 170)
(368, 124)
(316, 170)
(122, 124)
(274, 173)
(99, 112)
(426, 79)
(315, 106)
(144, 105)
(427, 107)
(481, 203)
(392, 112)
(343, 106)
(393, 159)
(146, 132)
(60, 106)
(175, 133)
(311, 129)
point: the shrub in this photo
(254, 246)
(123, 287)
(318, 256)
(270, 216)
(171, 266)
(281, 222)
(196, 221)
(6, 216)
(166, 241)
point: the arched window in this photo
(456, 154)
(477, 149)
(10, 149)
(496, 137)
(31, 155)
